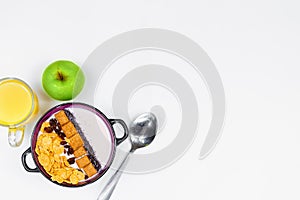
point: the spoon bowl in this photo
(143, 130)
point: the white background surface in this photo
(255, 46)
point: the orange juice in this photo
(17, 102)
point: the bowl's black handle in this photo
(27, 168)
(123, 124)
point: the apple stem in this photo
(60, 76)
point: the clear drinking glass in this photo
(18, 105)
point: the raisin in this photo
(86, 177)
(71, 150)
(57, 130)
(71, 160)
(58, 127)
(61, 135)
(63, 142)
(67, 146)
(65, 151)
(48, 129)
(53, 123)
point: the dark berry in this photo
(57, 130)
(53, 123)
(71, 150)
(63, 142)
(58, 126)
(86, 177)
(61, 135)
(48, 129)
(71, 160)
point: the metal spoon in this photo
(142, 132)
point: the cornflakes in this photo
(49, 151)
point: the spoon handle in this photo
(111, 185)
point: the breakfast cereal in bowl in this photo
(73, 144)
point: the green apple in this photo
(63, 80)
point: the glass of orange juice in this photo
(18, 105)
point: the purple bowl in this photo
(97, 129)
